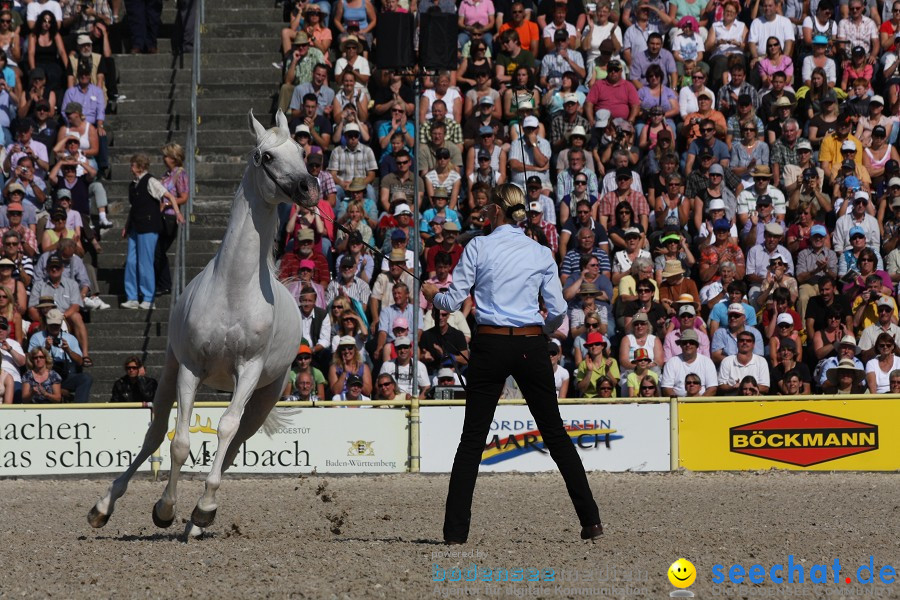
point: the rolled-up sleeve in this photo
(463, 280)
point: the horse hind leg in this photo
(186, 388)
(162, 405)
(245, 384)
(258, 408)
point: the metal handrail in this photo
(184, 232)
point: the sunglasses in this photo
(403, 162)
(648, 387)
(581, 183)
(605, 388)
(691, 383)
(593, 325)
(707, 130)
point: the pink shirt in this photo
(617, 99)
(671, 347)
(476, 13)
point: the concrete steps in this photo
(238, 45)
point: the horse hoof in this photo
(96, 518)
(203, 518)
(159, 521)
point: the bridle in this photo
(257, 158)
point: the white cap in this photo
(735, 307)
(535, 206)
(894, 181)
(530, 121)
(784, 318)
(861, 194)
(878, 99)
(570, 97)
(301, 129)
(351, 127)
(402, 209)
(848, 145)
(602, 118)
(402, 341)
(445, 372)
(716, 204)
(347, 340)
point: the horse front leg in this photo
(245, 384)
(188, 382)
(156, 433)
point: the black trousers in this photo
(493, 358)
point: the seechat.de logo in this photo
(804, 438)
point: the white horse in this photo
(234, 328)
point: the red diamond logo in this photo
(803, 438)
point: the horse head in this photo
(280, 159)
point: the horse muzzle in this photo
(306, 192)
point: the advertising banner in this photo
(70, 441)
(329, 440)
(609, 437)
(821, 435)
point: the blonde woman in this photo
(345, 362)
(176, 183)
(40, 383)
(8, 312)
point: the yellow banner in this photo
(820, 435)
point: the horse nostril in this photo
(303, 185)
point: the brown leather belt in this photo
(493, 330)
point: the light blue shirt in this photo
(506, 271)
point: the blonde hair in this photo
(141, 161)
(29, 358)
(511, 200)
(175, 152)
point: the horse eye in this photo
(267, 156)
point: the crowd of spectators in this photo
(58, 83)
(719, 182)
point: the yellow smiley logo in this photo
(682, 573)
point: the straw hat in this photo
(846, 364)
(673, 269)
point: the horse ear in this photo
(255, 127)
(281, 120)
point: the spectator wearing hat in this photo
(748, 201)
(484, 173)
(845, 349)
(66, 355)
(613, 94)
(725, 339)
(721, 249)
(687, 96)
(535, 220)
(640, 335)
(403, 234)
(567, 121)
(560, 57)
(57, 281)
(598, 366)
(74, 269)
(84, 109)
(348, 367)
(716, 208)
(760, 267)
(297, 67)
(814, 263)
(354, 390)
(347, 283)
(641, 376)
(685, 317)
(400, 307)
(13, 217)
(382, 289)
(531, 155)
(555, 17)
(857, 218)
(675, 285)
(885, 323)
(38, 91)
(623, 259)
(833, 144)
(689, 367)
(449, 244)
(871, 297)
(301, 369)
(475, 127)
(352, 159)
(401, 369)
(692, 127)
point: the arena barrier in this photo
(834, 433)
